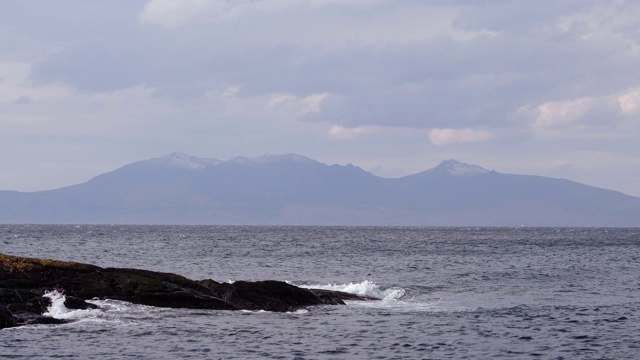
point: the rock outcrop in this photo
(23, 282)
(6, 318)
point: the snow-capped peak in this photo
(271, 159)
(184, 161)
(457, 168)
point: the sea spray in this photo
(57, 308)
(365, 287)
(391, 299)
(111, 311)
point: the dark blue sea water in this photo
(447, 293)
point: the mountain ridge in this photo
(291, 189)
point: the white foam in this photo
(110, 311)
(366, 288)
(391, 299)
(59, 311)
(298, 312)
(247, 312)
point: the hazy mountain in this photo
(293, 189)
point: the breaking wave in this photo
(392, 298)
(58, 310)
(110, 311)
(366, 288)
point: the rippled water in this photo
(448, 293)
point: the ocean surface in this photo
(446, 293)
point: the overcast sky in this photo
(537, 87)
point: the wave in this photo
(365, 287)
(59, 311)
(109, 311)
(118, 312)
(392, 298)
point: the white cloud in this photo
(345, 133)
(174, 13)
(630, 101)
(15, 85)
(29, 108)
(556, 113)
(279, 99)
(604, 116)
(303, 105)
(313, 102)
(349, 21)
(607, 24)
(246, 77)
(228, 92)
(452, 136)
(14, 72)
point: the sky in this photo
(548, 88)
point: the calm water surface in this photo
(456, 293)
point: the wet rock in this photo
(70, 302)
(270, 295)
(24, 300)
(6, 318)
(37, 305)
(23, 281)
(35, 319)
(75, 303)
(338, 297)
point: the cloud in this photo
(344, 133)
(15, 85)
(174, 13)
(246, 77)
(293, 104)
(606, 24)
(556, 113)
(313, 102)
(629, 102)
(178, 13)
(380, 63)
(607, 116)
(229, 91)
(452, 136)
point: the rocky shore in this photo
(24, 281)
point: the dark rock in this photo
(34, 319)
(338, 297)
(143, 287)
(24, 300)
(6, 318)
(37, 304)
(269, 295)
(75, 303)
(23, 281)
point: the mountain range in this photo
(292, 189)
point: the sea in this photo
(445, 293)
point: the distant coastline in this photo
(291, 189)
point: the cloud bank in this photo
(393, 86)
